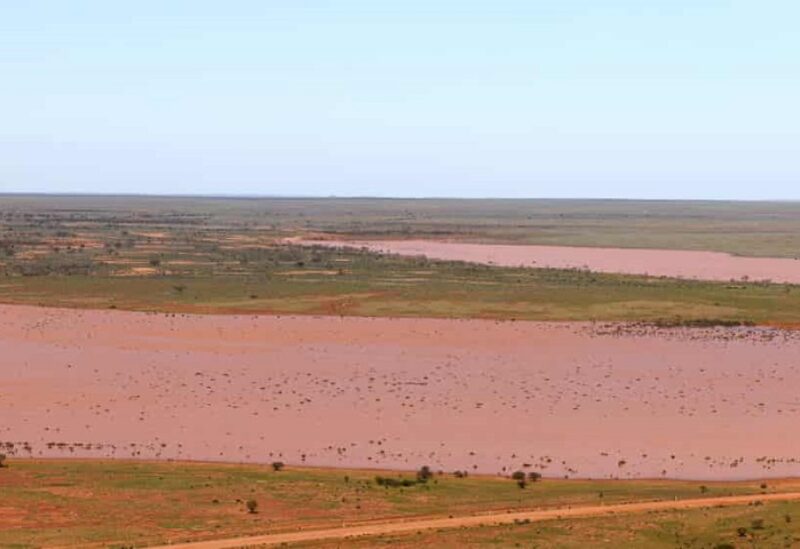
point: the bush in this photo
(3, 460)
(534, 476)
(390, 482)
(518, 476)
(741, 531)
(277, 466)
(424, 474)
(252, 506)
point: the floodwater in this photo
(698, 265)
(571, 399)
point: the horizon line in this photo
(245, 196)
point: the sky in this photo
(510, 98)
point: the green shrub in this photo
(424, 474)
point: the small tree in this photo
(424, 474)
(518, 475)
(3, 460)
(534, 476)
(277, 466)
(252, 506)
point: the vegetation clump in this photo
(519, 477)
(391, 482)
(702, 323)
(424, 474)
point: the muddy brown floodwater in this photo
(564, 399)
(669, 263)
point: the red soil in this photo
(669, 263)
(480, 395)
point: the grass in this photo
(226, 256)
(372, 285)
(115, 503)
(714, 528)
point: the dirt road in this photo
(401, 526)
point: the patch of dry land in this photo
(699, 265)
(577, 399)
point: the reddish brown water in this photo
(669, 263)
(455, 394)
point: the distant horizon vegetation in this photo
(79, 194)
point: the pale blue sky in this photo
(564, 98)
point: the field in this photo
(710, 527)
(767, 229)
(121, 503)
(229, 256)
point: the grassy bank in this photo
(361, 284)
(116, 503)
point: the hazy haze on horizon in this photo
(512, 98)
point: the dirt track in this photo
(399, 527)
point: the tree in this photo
(424, 474)
(518, 475)
(277, 466)
(3, 460)
(252, 506)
